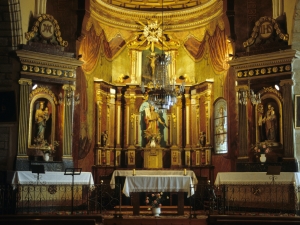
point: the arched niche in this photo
(42, 104)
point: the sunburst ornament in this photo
(152, 32)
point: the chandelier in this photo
(69, 96)
(162, 93)
(244, 95)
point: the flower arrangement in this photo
(259, 149)
(44, 146)
(155, 200)
(150, 136)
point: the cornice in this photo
(41, 64)
(264, 59)
(176, 20)
(264, 64)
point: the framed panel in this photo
(297, 111)
(220, 126)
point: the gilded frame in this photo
(220, 126)
(297, 111)
(33, 105)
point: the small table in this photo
(157, 183)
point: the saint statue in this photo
(270, 120)
(152, 120)
(104, 137)
(41, 117)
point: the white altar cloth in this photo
(52, 178)
(163, 173)
(157, 183)
(256, 178)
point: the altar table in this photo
(256, 178)
(49, 178)
(125, 173)
(51, 186)
(247, 188)
(157, 181)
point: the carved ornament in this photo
(264, 71)
(264, 29)
(46, 29)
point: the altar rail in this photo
(101, 199)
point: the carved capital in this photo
(286, 82)
(23, 81)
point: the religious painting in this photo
(220, 126)
(297, 111)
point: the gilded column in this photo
(130, 124)
(208, 115)
(25, 89)
(187, 119)
(68, 119)
(118, 122)
(187, 149)
(99, 103)
(288, 120)
(194, 127)
(111, 119)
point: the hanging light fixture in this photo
(244, 95)
(69, 96)
(162, 93)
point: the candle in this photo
(184, 172)
(133, 172)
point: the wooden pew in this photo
(54, 219)
(247, 220)
(39, 221)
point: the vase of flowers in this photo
(260, 151)
(47, 149)
(155, 201)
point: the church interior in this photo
(150, 96)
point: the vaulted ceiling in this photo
(187, 22)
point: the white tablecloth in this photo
(256, 178)
(49, 178)
(155, 183)
(163, 173)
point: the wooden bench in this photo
(52, 217)
(39, 221)
(245, 220)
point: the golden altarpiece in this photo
(47, 97)
(120, 137)
(122, 109)
(123, 137)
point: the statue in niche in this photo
(270, 121)
(42, 123)
(153, 119)
(104, 137)
(267, 122)
(202, 139)
(41, 117)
